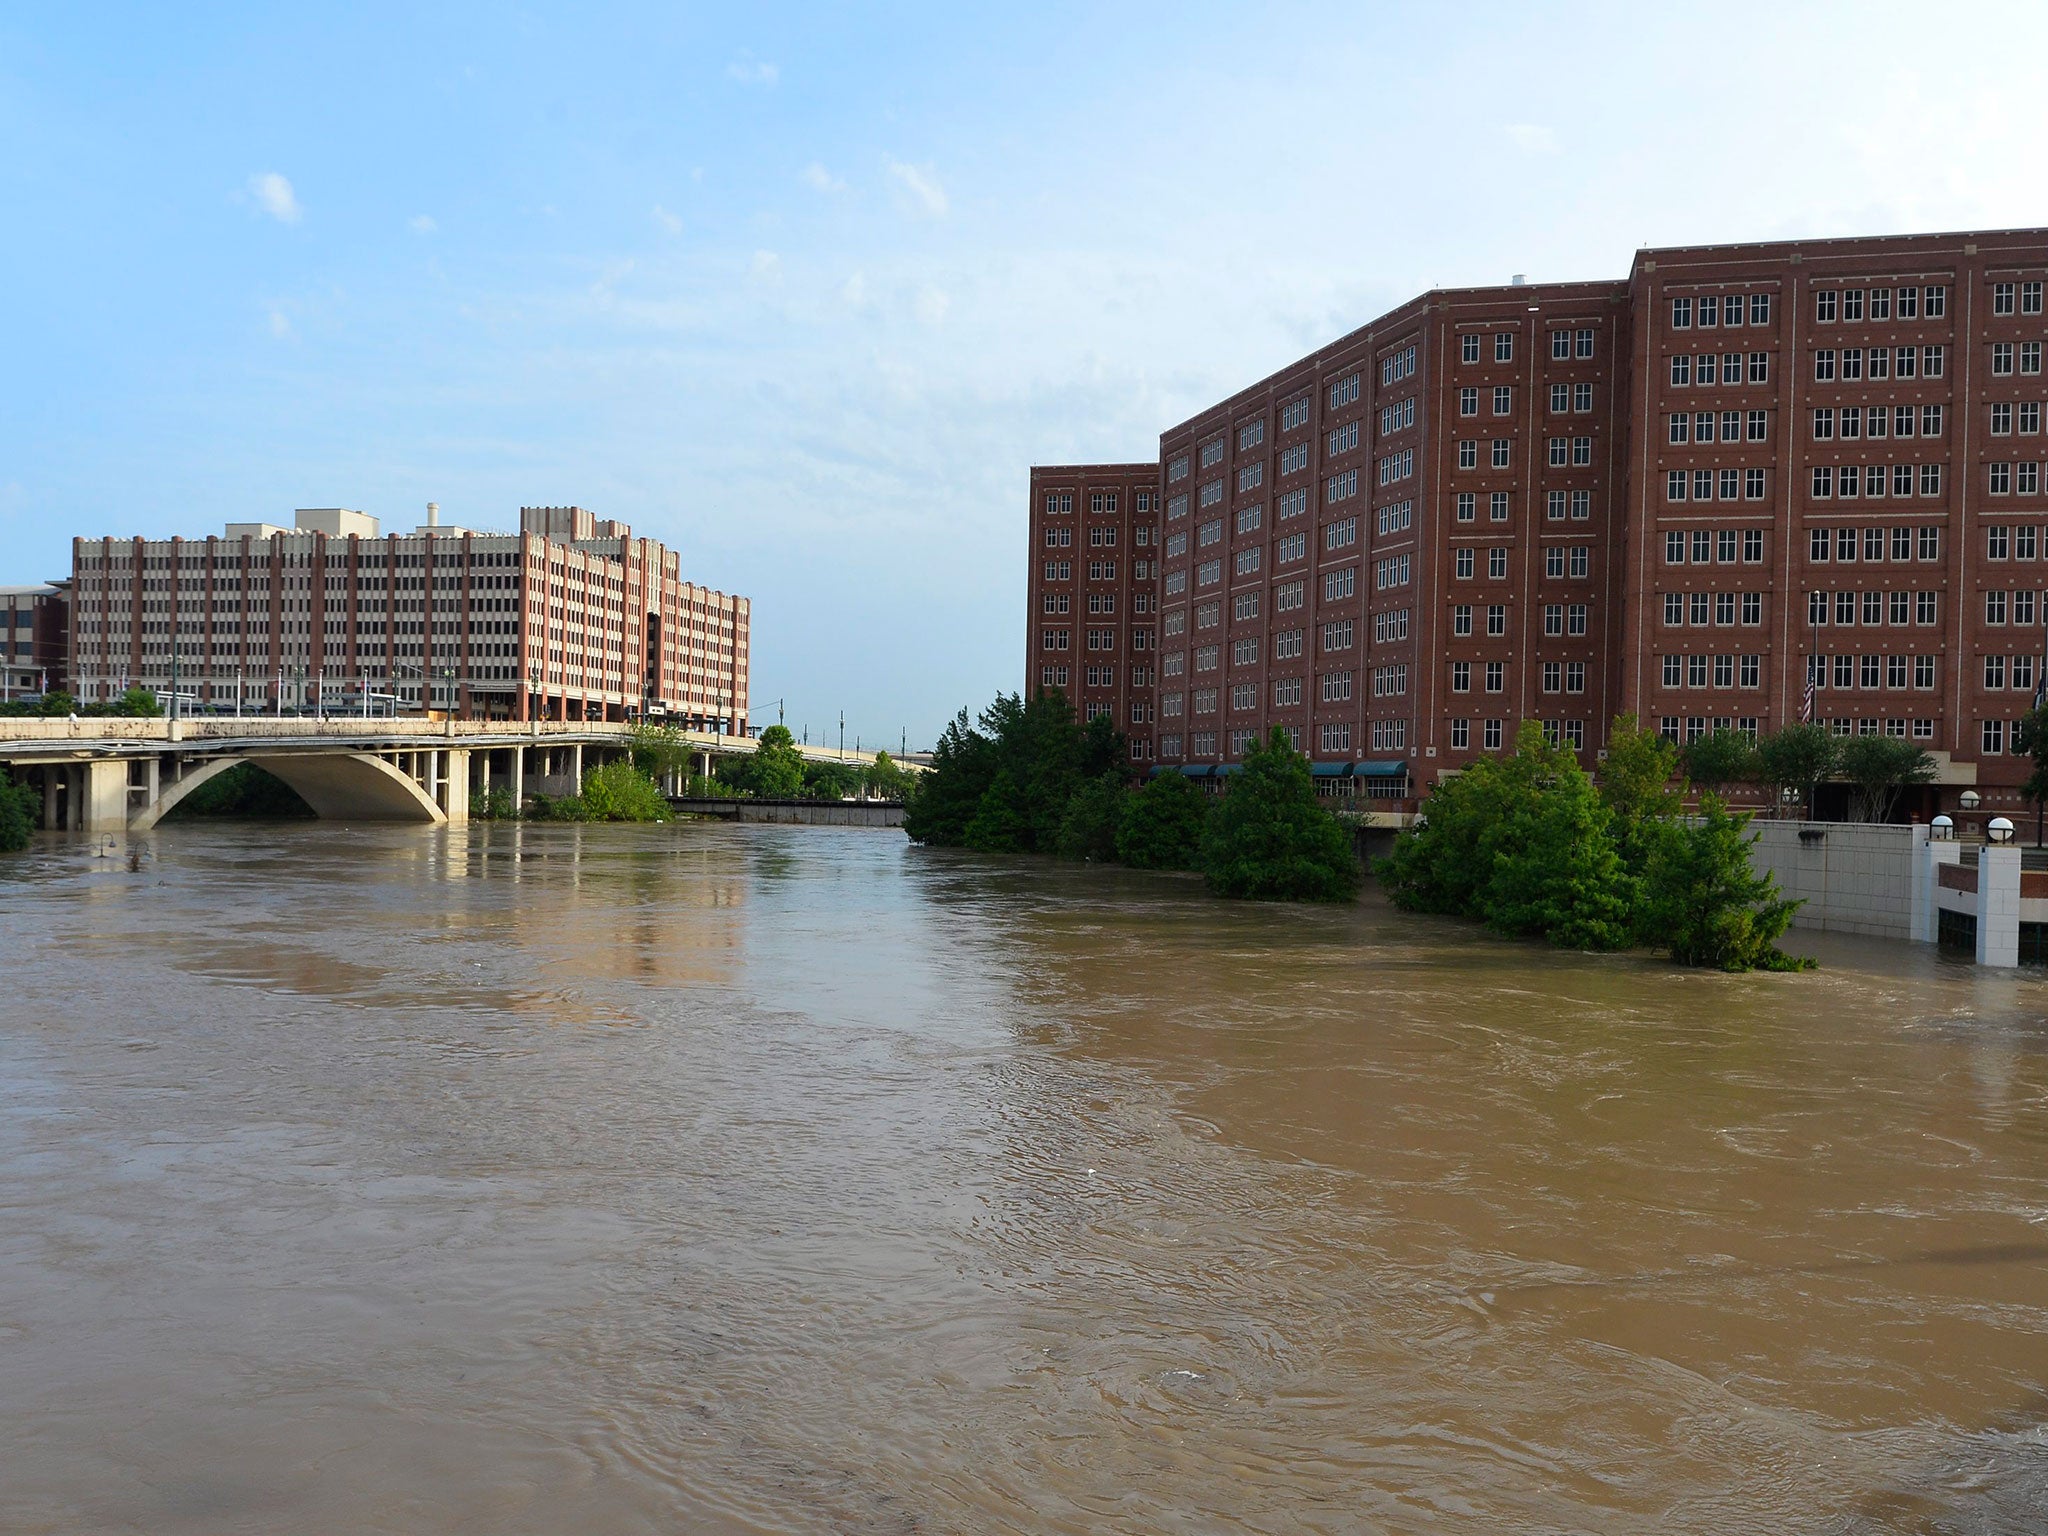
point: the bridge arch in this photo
(339, 786)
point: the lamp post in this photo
(1969, 800)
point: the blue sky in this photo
(804, 291)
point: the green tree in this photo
(1526, 845)
(1269, 840)
(659, 751)
(1043, 752)
(773, 771)
(139, 703)
(1001, 823)
(1637, 787)
(1435, 864)
(944, 800)
(1102, 749)
(1708, 905)
(831, 781)
(1161, 826)
(18, 815)
(1719, 758)
(1089, 828)
(1553, 869)
(618, 791)
(1878, 768)
(888, 778)
(1797, 758)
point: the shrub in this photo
(620, 792)
(492, 805)
(1162, 824)
(556, 808)
(1269, 840)
(1000, 824)
(18, 815)
(1708, 906)
(1089, 828)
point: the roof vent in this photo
(1519, 280)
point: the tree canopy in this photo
(1526, 845)
(1269, 840)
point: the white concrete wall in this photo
(1855, 878)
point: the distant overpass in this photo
(124, 775)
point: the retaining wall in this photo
(1854, 877)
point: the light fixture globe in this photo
(1942, 829)
(1969, 799)
(2000, 829)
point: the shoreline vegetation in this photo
(1529, 846)
(1526, 843)
(1026, 777)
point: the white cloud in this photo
(766, 266)
(422, 224)
(922, 183)
(856, 291)
(1532, 138)
(280, 326)
(822, 180)
(667, 220)
(932, 304)
(749, 70)
(274, 195)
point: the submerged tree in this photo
(1637, 787)
(1269, 840)
(1162, 824)
(1707, 904)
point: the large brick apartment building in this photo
(570, 618)
(1688, 495)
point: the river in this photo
(717, 1179)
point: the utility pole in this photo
(842, 733)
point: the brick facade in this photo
(1563, 502)
(571, 618)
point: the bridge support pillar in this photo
(103, 805)
(52, 809)
(576, 768)
(455, 787)
(518, 780)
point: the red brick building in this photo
(1683, 495)
(1094, 592)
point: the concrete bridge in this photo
(124, 775)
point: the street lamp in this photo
(2000, 830)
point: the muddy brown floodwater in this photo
(714, 1179)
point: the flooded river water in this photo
(717, 1179)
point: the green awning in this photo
(1195, 770)
(1385, 770)
(1225, 768)
(1330, 770)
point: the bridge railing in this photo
(119, 731)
